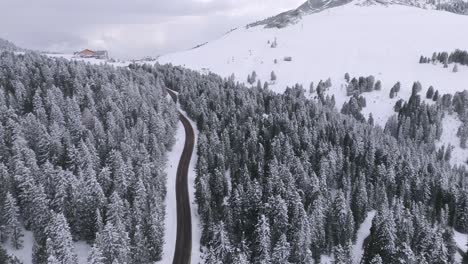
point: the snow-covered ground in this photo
(90, 60)
(170, 221)
(384, 41)
(461, 240)
(450, 125)
(24, 254)
(82, 250)
(362, 233)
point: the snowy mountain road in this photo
(183, 247)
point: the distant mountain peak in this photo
(314, 6)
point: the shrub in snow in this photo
(430, 93)
(287, 58)
(252, 78)
(398, 105)
(378, 86)
(274, 44)
(273, 76)
(455, 68)
(417, 87)
(392, 93)
(436, 96)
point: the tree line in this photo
(285, 179)
(82, 153)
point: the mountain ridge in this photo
(315, 6)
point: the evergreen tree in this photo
(430, 93)
(280, 254)
(262, 241)
(273, 76)
(13, 226)
(59, 240)
(347, 78)
(382, 238)
(436, 96)
(376, 260)
(342, 254)
(378, 86)
(341, 220)
(95, 256)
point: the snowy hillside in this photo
(384, 41)
(88, 60)
(376, 39)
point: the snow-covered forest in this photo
(282, 178)
(82, 156)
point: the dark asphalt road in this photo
(183, 246)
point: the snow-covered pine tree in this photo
(273, 76)
(95, 256)
(430, 92)
(59, 242)
(13, 226)
(281, 251)
(262, 241)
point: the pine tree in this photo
(455, 68)
(52, 260)
(311, 88)
(221, 244)
(382, 238)
(280, 254)
(240, 258)
(370, 120)
(342, 254)
(406, 255)
(273, 76)
(262, 241)
(436, 96)
(376, 260)
(114, 244)
(140, 247)
(378, 86)
(59, 240)
(13, 226)
(430, 93)
(392, 93)
(95, 256)
(341, 220)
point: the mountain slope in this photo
(379, 40)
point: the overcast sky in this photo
(128, 28)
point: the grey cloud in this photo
(127, 28)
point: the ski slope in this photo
(381, 40)
(359, 38)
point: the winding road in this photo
(183, 246)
